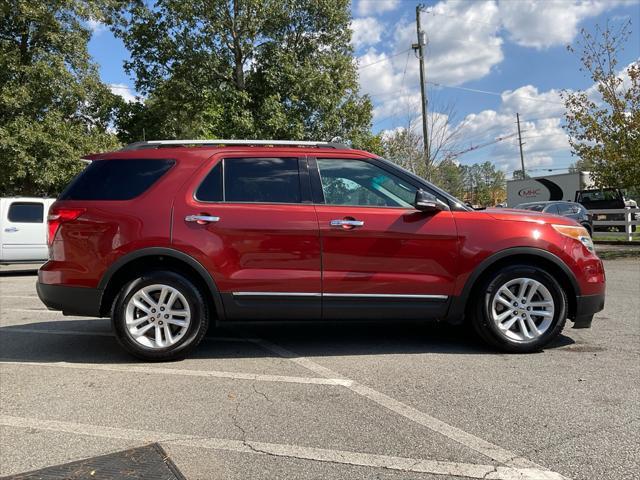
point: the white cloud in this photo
(528, 99)
(366, 31)
(372, 7)
(537, 24)
(96, 27)
(124, 91)
(463, 45)
(541, 116)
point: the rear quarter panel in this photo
(83, 249)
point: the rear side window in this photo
(116, 179)
(26, 212)
(252, 180)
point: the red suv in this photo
(167, 237)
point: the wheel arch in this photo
(157, 258)
(524, 255)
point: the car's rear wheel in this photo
(521, 309)
(160, 316)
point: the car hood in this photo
(516, 215)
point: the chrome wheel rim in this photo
(157, 316)
(522, 310)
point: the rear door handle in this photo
(201, 218)
(346, 223)
(10, 229)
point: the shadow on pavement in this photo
(92, 342)
(19, 273)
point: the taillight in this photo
(59, 215)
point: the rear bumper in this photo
(586, 307)
(81, 301)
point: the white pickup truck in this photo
(23, 229)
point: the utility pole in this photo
(420, 48)
(520, 143)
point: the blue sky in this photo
(515, 49)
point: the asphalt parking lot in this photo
(332, 401)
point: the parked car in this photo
(167, 237)
(571, 210)
(23, 229)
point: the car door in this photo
(251, 222)
(381, 258)
(24, 236)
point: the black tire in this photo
(489, 331)
(194, 332)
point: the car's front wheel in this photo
(160, 316)
(521, 309)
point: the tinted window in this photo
(553, 208)
(265, 180)
(354, 182)
(116, 179)
(536, 207)
(26, 212)
(210, 190)
(567, 209)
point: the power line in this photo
(386, 59)
(497, 94)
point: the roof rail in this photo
(270, 143)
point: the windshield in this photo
(536, 207)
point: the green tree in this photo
(280, 69)
(604, 126)
(53, 106)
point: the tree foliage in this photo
(479, 184)
(53, 106)
(603, 122)
(280, 69)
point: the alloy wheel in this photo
(522, 310)
(157, 316)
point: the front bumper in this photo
(586, 307)
(81, 301)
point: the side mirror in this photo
(427, 202)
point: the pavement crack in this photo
(262, 394)
(494, 469)
(576, 436)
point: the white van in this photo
(23, 229)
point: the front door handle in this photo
(201, 219)
(346, 223)
(11, 229)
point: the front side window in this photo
(355, 182)
(26, 212)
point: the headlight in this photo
(577, 233)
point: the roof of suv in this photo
(200, 149)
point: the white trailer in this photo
(23, 229)
(551, 187)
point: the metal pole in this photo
(520, 143)
(420, 47)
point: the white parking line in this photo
(487, 449)
(413, 465)
(39, 310)
(258, 377)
